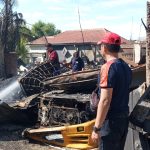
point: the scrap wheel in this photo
(84, 116)
(72, 116)
(56, 115)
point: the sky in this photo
(120, 16)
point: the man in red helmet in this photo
(111, 124)
(53, 58)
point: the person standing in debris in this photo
(111, 124)
(53, 58)
(77, 63)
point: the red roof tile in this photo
(75, 36)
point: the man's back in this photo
(112, 112)
(117, 76)
(77, 64)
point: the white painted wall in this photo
(40, 51)
(137, 52)
(36, 49)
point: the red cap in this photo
(111, 38)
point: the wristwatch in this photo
(95, 129)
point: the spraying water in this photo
(11, 91)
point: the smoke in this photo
(11, 91)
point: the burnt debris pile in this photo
(54, 100)
(32, 80)
(62, 99)
(60, 109)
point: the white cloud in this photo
(89, 24)
(123, 29)
(84, 8)
(64, 14)
(69, 26)
(55, 1)
(104, 17)
(35, 17)
(23, 2)
(128, 31)
(112, 3)
(55, 8)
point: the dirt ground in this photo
(11, 139)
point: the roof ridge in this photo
(85, 30)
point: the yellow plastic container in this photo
(72, 136)
(79, 136)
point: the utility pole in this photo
(148, 46)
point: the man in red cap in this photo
(111, 124)
(53, 58)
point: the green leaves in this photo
(48, 29)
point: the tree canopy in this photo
(14, 34)
(40, 29)
(10, 24)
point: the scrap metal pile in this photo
(55, 100)
(62, 109)
(60, 100)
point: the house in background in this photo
(139, 52)
(70, 41)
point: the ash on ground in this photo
(11, 139)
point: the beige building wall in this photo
(137, 52)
